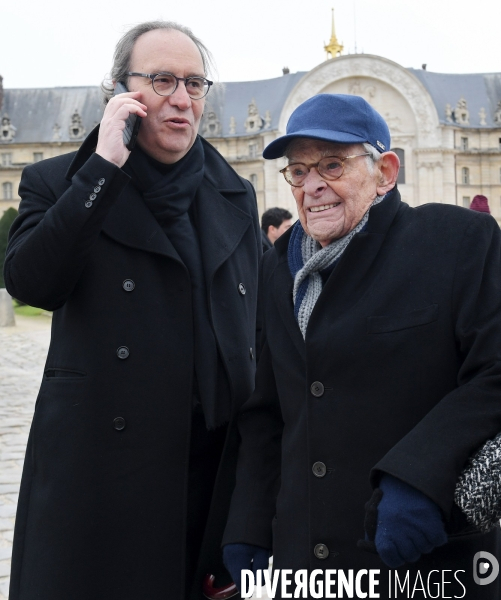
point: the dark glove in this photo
(408, 523)
(244, 556)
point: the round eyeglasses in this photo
(165, 84)
(330, 168)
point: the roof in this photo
(480, 90)
(232, 100)
(36, 113)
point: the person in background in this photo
(149, 260)
(274, 222)
(480, 204)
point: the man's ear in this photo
(388, 166)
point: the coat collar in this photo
(346, 283)
(222, 222)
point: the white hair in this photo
(373, 158)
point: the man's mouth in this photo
(178, 121)
(323, 207)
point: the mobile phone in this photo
(132, 122)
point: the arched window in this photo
(401, 156)
(465, 175)
(7, 190)
(253, 180)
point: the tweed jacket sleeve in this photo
(433, 454)
(58, 223)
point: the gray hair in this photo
(373, 158)
(124, 47)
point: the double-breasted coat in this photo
(399, 373)
(102, 507)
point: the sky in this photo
(57, 43)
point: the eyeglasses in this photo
(330, 168)
(165, 84)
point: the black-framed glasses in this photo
(330, 168)
(165, 84)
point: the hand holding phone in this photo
(132, 123)
(119, 126)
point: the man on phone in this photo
(149, 261)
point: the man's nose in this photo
(314, 185)
(180, 97)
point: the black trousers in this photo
(206, 448)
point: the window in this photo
(7, 159)
(464, 143)
(465, 175)
(500, 143)
(37, 156)
(466, 201)
(253, 150)
(253, 180)
(7, 190)
(401, 156)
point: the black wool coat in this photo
(103, 501)
(400, 373)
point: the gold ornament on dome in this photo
(333, 48)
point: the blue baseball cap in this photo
(338, 118)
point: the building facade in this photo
(446, 128)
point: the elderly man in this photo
(149, 261)
(380, 375)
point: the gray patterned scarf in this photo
(307, 258)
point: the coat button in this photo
(321, 551)
(123, 352)
(317, 389)
(93, 196)
(101, 181)
(251, 353)
(119, 423)
(88, 204)
(319, 469)
(128, 285)
(241, 289)
(97, 189)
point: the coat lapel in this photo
(221, 223)
(130, 222)
(349, 280)
(282, 290)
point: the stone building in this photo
(445, 128)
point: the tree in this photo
(5, 222)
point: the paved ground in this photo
(23, 349)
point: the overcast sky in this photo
(59, 43)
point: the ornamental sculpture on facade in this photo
(7, 130)
(253, 122)
(76, 129)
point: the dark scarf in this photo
(170, 192)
